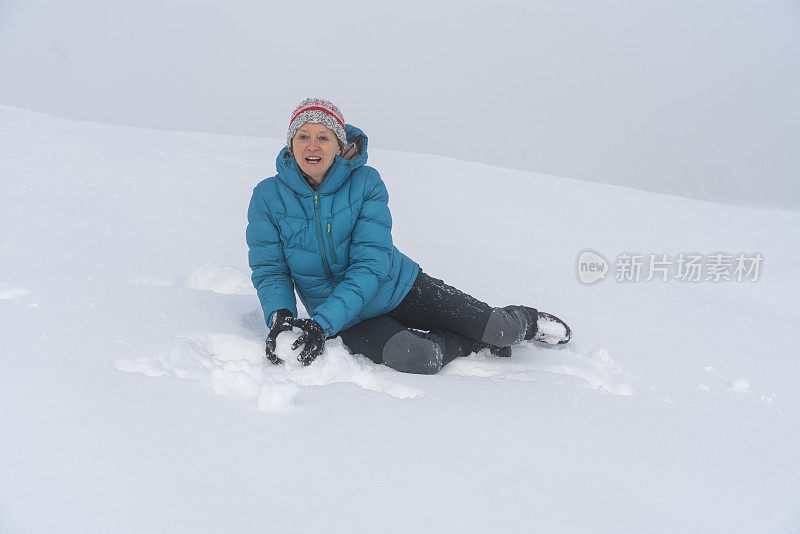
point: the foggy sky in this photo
(683, 97)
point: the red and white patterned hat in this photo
(318, 111)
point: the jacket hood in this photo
(289, 172)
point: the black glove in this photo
(313, 337)
(279, 324)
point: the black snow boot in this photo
(547, 328)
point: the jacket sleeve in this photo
(271, 276)
(370, 252)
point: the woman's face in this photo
(315, 146)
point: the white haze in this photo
(689, 98)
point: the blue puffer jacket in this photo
(333, 245)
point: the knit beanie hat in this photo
(318, 111)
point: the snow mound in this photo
(529, 362)
(154, 281)
(741, 384)
(235, 366)
(12, 293)
(222, 278)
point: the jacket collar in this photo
(289, 172)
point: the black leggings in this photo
(451, 322)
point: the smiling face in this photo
(315, 147)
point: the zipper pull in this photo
(329, 227)
(315, 199)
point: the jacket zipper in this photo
(322, 240)
(330, 245)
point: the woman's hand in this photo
(279, 324)
(313, 337)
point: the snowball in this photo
(283, 349)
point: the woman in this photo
(322, 227)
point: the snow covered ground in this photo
(134, 396)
